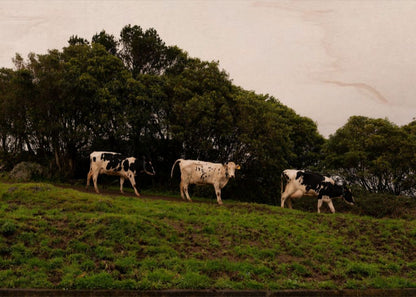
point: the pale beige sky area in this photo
(328, 60)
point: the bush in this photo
(381, 205)
(193, 280)
(377, 205)
(26, 171)
(8, 228)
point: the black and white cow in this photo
(303, 183)
(115, 164)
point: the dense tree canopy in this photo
(375, 153)
(138, 96)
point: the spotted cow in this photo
(304, 183)
(201, 173)
(115, 164)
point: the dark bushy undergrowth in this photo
(367, 204)
(27, 171)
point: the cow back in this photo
(200, 172)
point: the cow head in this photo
(148, 166)
(347, 195)
(230, 168)
(338, 180)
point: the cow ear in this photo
(237, 167)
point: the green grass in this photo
(52, 237)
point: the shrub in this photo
(101, 280)
(26, 171)
(8, 228)
(360, 270)
(193, 280)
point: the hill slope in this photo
(61, 238)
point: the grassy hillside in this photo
(52, 237)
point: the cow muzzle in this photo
(349, 202)
(149, 165)
(149, 173)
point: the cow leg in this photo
(133, 184)
(288, 194)
(135, 191)
(121, 184)
(88, 179)
(329, 202)
(182, 189)
(285, 195)
(218, 193)
(282, 201)
(331, 206)
(320, 201)
(185, 190)
(94, 180)
(289, 203)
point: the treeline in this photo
(138, 96)
(375, 154)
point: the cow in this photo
(111, 163)
(304, 183)
(201, 173)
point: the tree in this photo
(6, 119)
(107, 40)
(408, 158)
(78, 98)
(150, 99)
(373, 153)
(201, 103)
(15, 91)
(144, 52)
(95, 91)
(76, 40)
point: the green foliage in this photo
(144, 52)
(375, 154)
(138, 96)
(367, 204)
(108, 41)
(26, 171)
(8, 228)
(57, 238)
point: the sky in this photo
(327, 60)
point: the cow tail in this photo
(283, 178)
(173, 167)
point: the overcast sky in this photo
(328, 60)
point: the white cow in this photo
(201, 173)
(115, 164)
